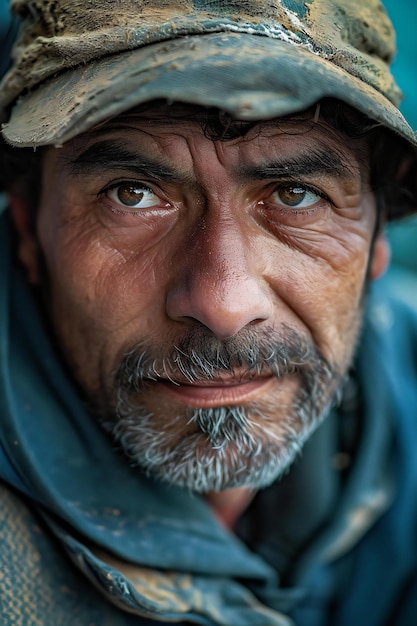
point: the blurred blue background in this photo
(403, 13)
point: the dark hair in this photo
(21, 172)
(395, 190)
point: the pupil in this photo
(129, 195)
(293, 195)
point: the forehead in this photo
(214, 123)
(170, 132)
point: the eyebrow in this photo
(319, 162)
(112, 155)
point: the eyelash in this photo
(135, 183)
(307, 187)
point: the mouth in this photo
(216, 392)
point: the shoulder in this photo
(38, 583)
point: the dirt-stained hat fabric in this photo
(79, 62)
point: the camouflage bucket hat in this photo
(80, 62)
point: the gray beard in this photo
(228, 446)
(245, 456)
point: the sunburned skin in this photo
(207, 295)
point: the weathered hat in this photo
(79, 62)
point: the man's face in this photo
(207, 294)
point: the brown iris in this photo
(129, 195)
(292, 196)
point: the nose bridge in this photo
(220, 283)
(221, 252)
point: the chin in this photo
(217, 448)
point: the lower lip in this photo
(200, 396)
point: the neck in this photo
(229, 505)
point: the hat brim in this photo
(250, 76)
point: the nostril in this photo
(259, 320)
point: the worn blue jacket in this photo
(87, 540)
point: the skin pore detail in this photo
(207, 294)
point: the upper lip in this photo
(220, 380)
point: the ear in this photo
(381, 255)
(27, 245)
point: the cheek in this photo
(322, 282)
(99, 261)
(102, 296)
(104, 286)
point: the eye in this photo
(296, 196)
(132, 196)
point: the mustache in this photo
(200, 356)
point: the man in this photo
(197, 193)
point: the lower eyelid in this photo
(144, 212)
(121, 212)
(295, 211)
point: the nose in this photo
(219, 282)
